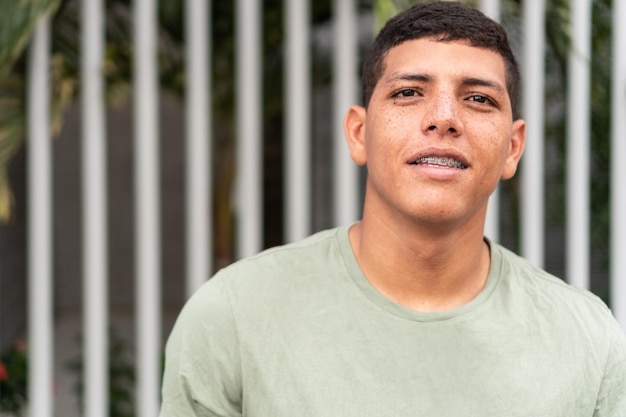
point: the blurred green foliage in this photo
(13, 377)
(121, 377)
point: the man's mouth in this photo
(439, 161)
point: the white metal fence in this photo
(298, 170)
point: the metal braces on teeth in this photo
(441, 162)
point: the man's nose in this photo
(442, 117)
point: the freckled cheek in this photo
(493, 135)
(494, 149)
(394, 126)
(385, 145)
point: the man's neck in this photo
(422, 269)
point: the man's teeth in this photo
(440, 161)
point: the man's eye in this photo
(481, 99)
(405, 92)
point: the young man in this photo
(410, 312)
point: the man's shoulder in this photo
(546, 291)
(306, 265)
(286, 258)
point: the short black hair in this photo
(442, 21)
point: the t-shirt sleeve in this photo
(202, 363)
(612, 396)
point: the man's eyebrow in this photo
(406, 76)
(482, 83)
(467, 81)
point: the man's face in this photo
(438, 133)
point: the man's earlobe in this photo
(354, 129)
(516, 149)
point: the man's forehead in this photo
(415, 59)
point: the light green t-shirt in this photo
(299, 331)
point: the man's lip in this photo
(439, 153)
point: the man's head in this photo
(444, 22)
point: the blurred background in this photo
(144, 145)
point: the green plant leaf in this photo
(17, 21)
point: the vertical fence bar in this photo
(39, 159)
(249, 128)
(492, 222)
(532, 199)
(298, 120)
(95, 294)
(198, 135)
(618, 168)
(147, 212)
(345, 75)
(578, 146)
(491, 8)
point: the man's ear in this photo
(354, 129)
(516, 149)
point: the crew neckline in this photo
(354, 271)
